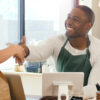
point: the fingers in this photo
(19, 60)
(26, 49)
(16, 59)
(19, 51)
(24, 40)
(20, 55)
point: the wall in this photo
(96, 28)
(86, 2)
(3, 32)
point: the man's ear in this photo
(89, 25)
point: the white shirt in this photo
(52, 47)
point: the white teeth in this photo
(69, 28)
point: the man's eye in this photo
(75, 19)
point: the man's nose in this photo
(69, 21)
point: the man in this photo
(74, 51)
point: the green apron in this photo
(67, 62)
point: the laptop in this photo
(15, 85)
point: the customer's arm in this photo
(12, 50)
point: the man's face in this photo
(77, 23)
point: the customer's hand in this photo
(18, 53)
(26, 51)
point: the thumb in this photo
(23, 40)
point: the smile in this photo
(70, 28)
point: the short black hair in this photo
(90, 14)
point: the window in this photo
(9, 26)
(44, 18)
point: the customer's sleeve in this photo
(41, 51)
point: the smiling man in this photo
(74, 51)
(77, 25)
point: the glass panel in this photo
(9, 25)
(44, 18)
(9, 21)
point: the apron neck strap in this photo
(65, 42)
(88, 42)
(87, 50)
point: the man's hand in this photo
(23, 44)
(26, 51)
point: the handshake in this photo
(20, 52)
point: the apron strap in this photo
(65, 42)
(88, 44)
(87, 50)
